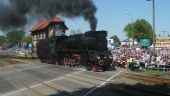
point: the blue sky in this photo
(112, 17)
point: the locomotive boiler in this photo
(88, 50)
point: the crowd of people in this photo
(14, 51)
(141, 58)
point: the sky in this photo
(112, 16)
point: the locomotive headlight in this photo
(98, 57)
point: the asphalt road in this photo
(51, 80)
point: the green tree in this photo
(116, 39)
(3, 39)
(15, 37)
(140, 29)
(27, 39)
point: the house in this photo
(110, 44)
(45, 29)
(110, 41)
(128, 43)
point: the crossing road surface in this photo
(51, 80)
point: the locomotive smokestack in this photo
(93, 23)
(15, 13)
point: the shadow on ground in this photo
(120, 90)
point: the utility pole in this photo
(153, 15)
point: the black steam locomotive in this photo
(88, 50)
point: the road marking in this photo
(100, 85)
(46, 82)
(15, 92)
(35, 85)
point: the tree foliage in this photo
(3, 39)
(15, 37)
(27, 39)
(116, 39)
(140, 29)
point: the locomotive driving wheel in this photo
(96, 68)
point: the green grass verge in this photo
(159, 73)
(154, 72)
(7, 61)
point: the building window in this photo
(43, 36)
(58, 31)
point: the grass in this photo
(153, 72)
(10, 60)
(159, 73)
(7, 61)
(16, 57)
(3, 63)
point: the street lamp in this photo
(132, 26)
(153, 14)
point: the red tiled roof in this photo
(44, 23)
(56, 19)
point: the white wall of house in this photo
(128, 43)
(110, 41)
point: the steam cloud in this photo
(14, 14)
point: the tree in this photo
(3, 39)
(140, 29)
(116, 39)
(27, 39)
(15, 37)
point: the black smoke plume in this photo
(13, 14)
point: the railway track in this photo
(6, 61)
(147, 79)
(11, 61)
(158, 86)
(32, 88)
(127, 90)
(114, 89)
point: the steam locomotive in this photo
(88, 50)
